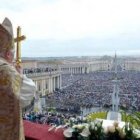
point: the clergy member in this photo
(16, 90)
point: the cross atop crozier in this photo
(18, 40)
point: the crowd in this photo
(95, 89)
(38, 70)
(87, 91)
(52, 118)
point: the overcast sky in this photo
(75, 27)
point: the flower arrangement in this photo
(95, 131)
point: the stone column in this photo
(57, 81)
(53, 83)
(60, 81)
(42, 86)
(50, 85)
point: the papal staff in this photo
(18, 40)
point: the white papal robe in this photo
(15, 90)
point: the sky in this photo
(55, 28)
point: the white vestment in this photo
(27, 91)
(15, 89)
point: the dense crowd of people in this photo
(95, 89)
(90, 90)
(52, 118)
(38, 70)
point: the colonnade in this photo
(54, 83)
(132, 65)
(85, 68)
(46, 82)
(74, 70)
(100, 66)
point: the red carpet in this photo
(35, 131)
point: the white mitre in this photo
(6, 29)
(8, 26)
